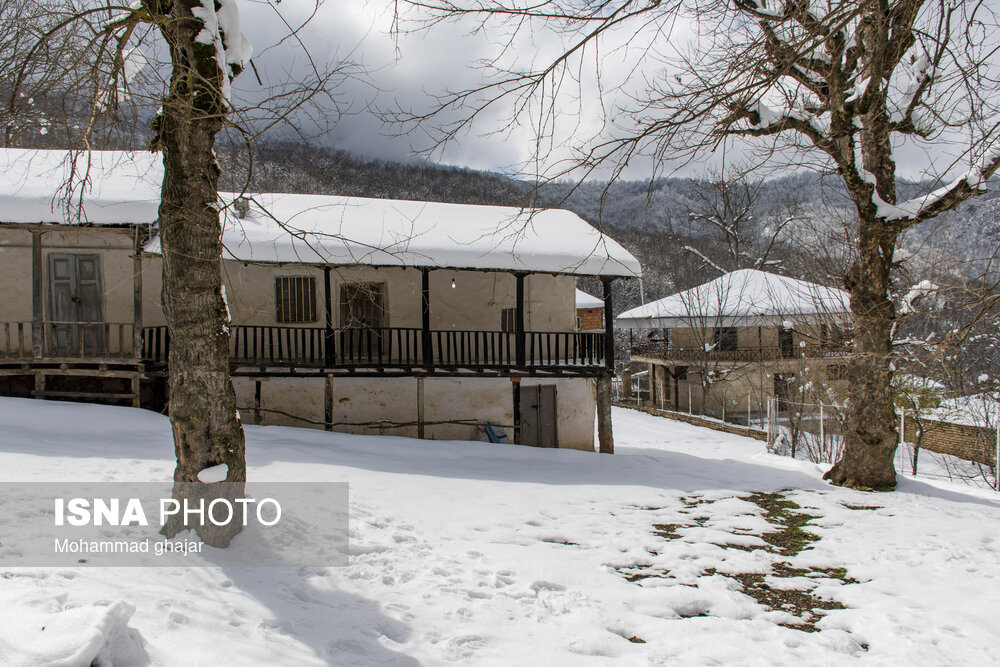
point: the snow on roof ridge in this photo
(124, 187)
(107, 187)
(744, 294)
(585, 300)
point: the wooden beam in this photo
(427, 349)
(609, 326)
(328, 336)
(605, 438)
(520, 337)
(328, 403)
(36, 294)
(516, 395)
(420, 408)
(136, 302)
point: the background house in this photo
(71, 313)
(589, 312)
(736, 341)
(360, 315)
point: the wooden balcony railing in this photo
(317, 347)
(68, 340)
(15, 340)
(664, 350)
(396, 347)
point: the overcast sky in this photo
(407, 70)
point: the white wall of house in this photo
(113, 245)
(475, 303)
(358, 405)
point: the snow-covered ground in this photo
(476, 553)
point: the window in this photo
(362, 305)
(295, 298)
(508, 320)
(725, 339)
(579, 323)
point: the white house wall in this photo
(113, 245)
(389, 406)
(475, 303)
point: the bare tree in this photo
(837, 84)
(206, 51)
(743, 228)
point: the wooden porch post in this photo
(420, 408)
(515, 383)
(136, 303)
(522, 360)
(425, 322)
(328, 336)
(606, 442)
(36, 293)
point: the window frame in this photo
(293, 305)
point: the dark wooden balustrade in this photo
(397, 347)
(69, 340)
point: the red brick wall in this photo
(590, 318)
(972, 443)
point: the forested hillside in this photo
(795, 224)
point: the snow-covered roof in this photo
(584, 300)
(326, 229)
(107, 187)
(118, 187)
(741, 298)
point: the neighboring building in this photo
(361, 315)
(748, 333)
(589, 312)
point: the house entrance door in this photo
(786, 343)
(75, 298)
(362, 314)
(538, 415)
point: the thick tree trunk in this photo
(870, 434)
(206, 426)
(605, 437)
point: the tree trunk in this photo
(869, 432)
(605, 438)
(206, 426)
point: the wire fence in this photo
(814, 431)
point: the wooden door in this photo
(786, 343)
(538, 415)
(75, 299)
(362, 314)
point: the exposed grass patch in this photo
(861, 507)
(789, 539)
(801, 604)
(667, 531)
(778, 510)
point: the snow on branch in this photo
(222, 30)
(945, 198)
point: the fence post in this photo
(902, 437)
(996, 457)
(822, 431)
(767, 428)
(748, 409)
(690, 409)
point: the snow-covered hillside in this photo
(473, 553)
